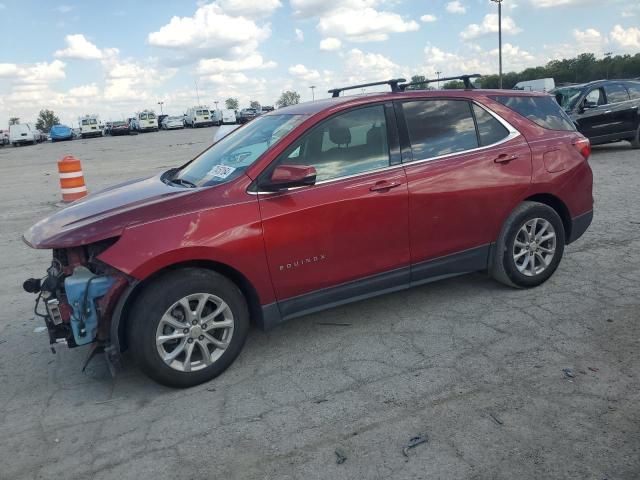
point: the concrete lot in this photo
(475, 366)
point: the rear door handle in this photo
(384, 186)
(505, 158)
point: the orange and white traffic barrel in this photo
(71, 179)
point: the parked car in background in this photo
(199, 116)
(119, 127)
(246, 114)
(312, 206)
(172, 122)
(605, 110)
(22, 134)
(60, 132)
(90, 126)
(540, 85)
(145, 121)
(266, 109)
(4, 137)
(228, 116)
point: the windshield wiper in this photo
(183, 182)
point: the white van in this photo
(22, 134)
(90, 126)
(229, 116)
(145, 121)
(539, 85)
(199, 116)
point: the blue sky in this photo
(114, 58)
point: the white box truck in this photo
(22, 134)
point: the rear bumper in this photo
(579, 225)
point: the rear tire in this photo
(164, 322)
(530, 246)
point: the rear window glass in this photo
(616, 93)
(490, 129)
(634, 90)
(439, 127)
(544, 111)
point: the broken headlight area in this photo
(77, 296)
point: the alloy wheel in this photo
(194, 332)
(534, 247)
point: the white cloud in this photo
(249, 8)
(490, 25)
(8, 70)
(456, 7)
(330, 43)
(42, 72)
(314, 8)
(63, 8)
(364, 25)
(428, 18)
(217, 65)
(85, 91)
(80, 48)
(209, 32)
(299, 35)
(361, 66)
(589, 40)
(560, 3)
(626, 38)
(303, 73)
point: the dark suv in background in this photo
(605, 110)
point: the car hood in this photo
(105, 214)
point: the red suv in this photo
(309, 207)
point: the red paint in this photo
(294, 242)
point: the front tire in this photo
(530, 246)
(635, 141)
(187, 327)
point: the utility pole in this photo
(438, 73)
(499, 2)
(216, 103)
(161, 104)
(197, 93)
(607, 55)
(313, 92)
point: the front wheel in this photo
(188, 327)
(530, 246)
(635, 141)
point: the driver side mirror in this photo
(289, 176)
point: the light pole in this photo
(499, 2)
(438, 73)
(216, 103)
(607, 55)
(161, 104)
(313, 92)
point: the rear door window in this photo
(490, 130)
(543, 111)
(439, 127)
(634, 90)
(616, 93)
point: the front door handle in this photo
(505, 158)
(384, 186)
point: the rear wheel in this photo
(530, 246)
(188, 327)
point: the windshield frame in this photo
(289, 123)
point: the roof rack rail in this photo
(466, 79)
(393, 83)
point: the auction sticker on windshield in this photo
(220, 171)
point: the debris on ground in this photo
(414, 442)
(610, 320)
(341, 457)
(594, 369)
(568, 373)
(321, 400)
(496, 419)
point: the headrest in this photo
(340, 135)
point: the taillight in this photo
(583, 145)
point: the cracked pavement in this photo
(475, 366)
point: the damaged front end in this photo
(77, 297)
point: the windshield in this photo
(118, 124)
(567, 97)
(202, 112)
(142, 116)
(234, 153)
(151, 116)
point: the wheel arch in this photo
(558, 205)
(120, 318)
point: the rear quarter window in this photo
(543, 111)
(634, 90)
